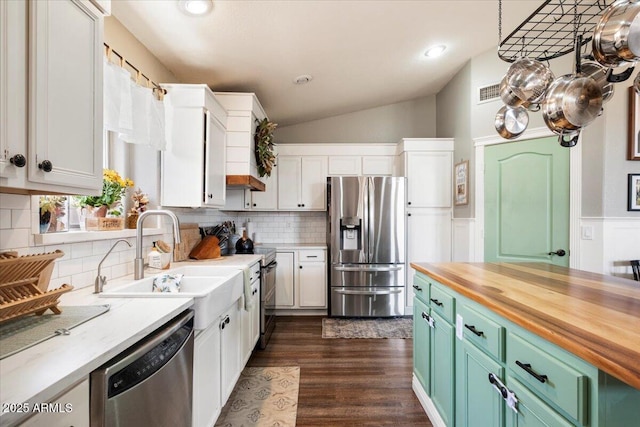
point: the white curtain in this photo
(132, 111)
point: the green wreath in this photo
(265, 159)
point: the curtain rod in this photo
(123, 61)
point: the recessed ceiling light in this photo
(195, 7)
(303, 79)
(435, 51)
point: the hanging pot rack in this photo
(551, 31)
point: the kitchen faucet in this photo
(138, 263)
(102, 280)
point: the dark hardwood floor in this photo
(345, 382)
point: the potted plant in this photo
(108, 203)
(265, 158)
(140, 201)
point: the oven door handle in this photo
(354, 292)
(367, 269)
(270, 266)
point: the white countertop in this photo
(294, 246)
(42, 372)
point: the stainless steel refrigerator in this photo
(366, 239)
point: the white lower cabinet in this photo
(218, 358)
(230, 346)
(301, 279)
(71, 409)
(206, 377)
(284, 279)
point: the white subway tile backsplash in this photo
(14, 201)
(14, 239)
(5, 219)
(82, 280)
(20, 218)
(70, 267)
(81, 250)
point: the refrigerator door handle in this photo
(365, 269)
(355, 292)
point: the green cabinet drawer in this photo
(550, 378)
(532, 412)
(421, 287)
(483, 332)
(442, 302)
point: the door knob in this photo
(559, 252)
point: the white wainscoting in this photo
(463, 240)
(614, 241)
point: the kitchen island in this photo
(579, 331)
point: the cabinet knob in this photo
(18, 160)
(254, 205)
(408, 203)
(210, 196)
(248, 204)
(303, 205)
(409, 214)
(300, 267)
(46, 166)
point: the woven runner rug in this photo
(263, 397)
(399, 327)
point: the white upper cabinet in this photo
(360, 165)
(193, 165)
(428, 166)
(51, 96)
(302, 182)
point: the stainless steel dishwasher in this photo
(150, 384)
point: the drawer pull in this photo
(527, 367)
(417, 288)
(473, 329)
(436, 302)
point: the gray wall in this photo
(389, 123)
(603, 144)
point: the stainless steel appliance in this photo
(366, 239)
(267, 293)
(150, 384)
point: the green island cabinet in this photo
(475, 368)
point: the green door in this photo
(532, 412)
(527, 202)
(421, 345)
(479, 404)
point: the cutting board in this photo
(190, 237)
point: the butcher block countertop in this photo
(593, 316)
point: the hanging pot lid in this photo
(582, 101)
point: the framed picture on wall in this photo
(461, 177)
(634, 192)
(634, 125)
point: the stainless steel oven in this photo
(267, 294)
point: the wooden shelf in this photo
(246, 181)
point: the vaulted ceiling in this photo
(360, 53)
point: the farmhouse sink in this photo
(212, 294)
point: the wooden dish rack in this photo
(23, 285)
